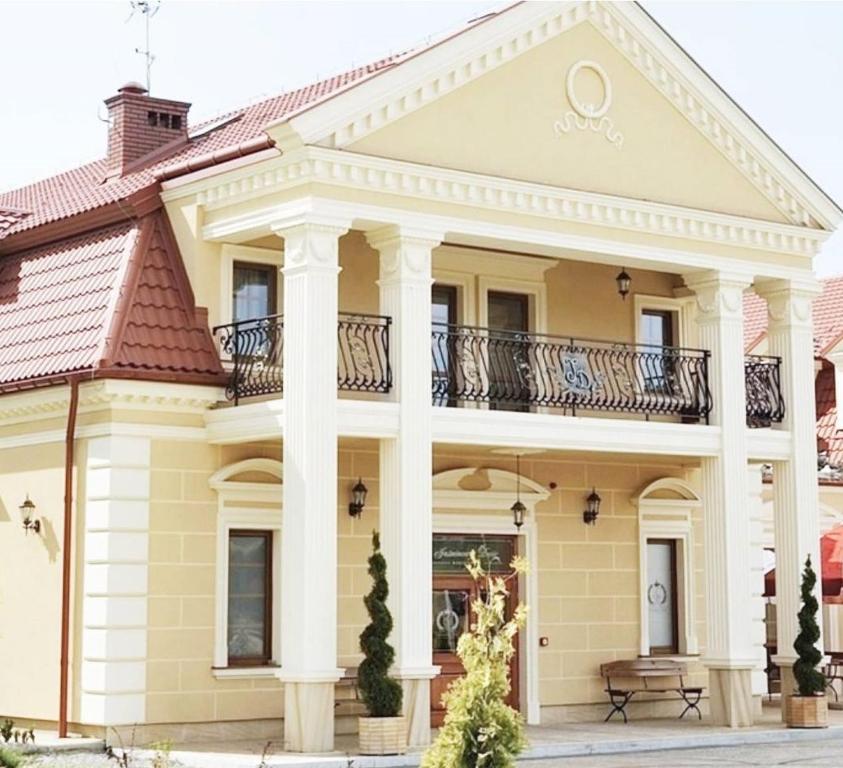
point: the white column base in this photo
(730, 697)
(416, 686)
(308, 717)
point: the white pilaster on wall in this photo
(406, 503)
(756, 561)
(115, 580)
(795, 493)
(729, 652)
(309, 543)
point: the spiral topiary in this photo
(809, 679)
(381, 693)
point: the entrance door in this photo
(453, 595)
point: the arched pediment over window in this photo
(257, 479)
(668, 489)
(484, 488)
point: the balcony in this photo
(504, 370)
(519, 371)
(255, 349)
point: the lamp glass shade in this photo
(358, 494)
(624, 282)
(518, 512)
(27, 510)
(592, 503)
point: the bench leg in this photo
(619, 702)
(691, 701)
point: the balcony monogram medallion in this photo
(584, 115)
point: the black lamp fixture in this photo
(592, 508)
(27, 512)
(358, 498)
(624, 281)
(518, 508)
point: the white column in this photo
(756, 561)
(115, 581)
(795, 493)
(729, 654)
(309, 530)
(406, 466)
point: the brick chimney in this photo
(140, 124)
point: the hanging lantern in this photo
(624, 282)
(518, 508)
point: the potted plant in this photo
(384, 731)
(809, 707)
(480, 729)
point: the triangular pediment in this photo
(589, 96)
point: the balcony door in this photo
(509, 351)
(657, 331)
(444, 318)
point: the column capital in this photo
(405, 252)
(310, 241)
(719, 294)
(789, 302)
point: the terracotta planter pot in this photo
(807, 711)
(382, 735)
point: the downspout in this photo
(66, 553)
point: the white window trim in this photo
(231, 253)
(243, 517)
(680, 306)
(660, 518)
(451, 505)
(466, 293)
(535, 291)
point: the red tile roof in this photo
(829, 438)
(86, 188)
(828, 316)
(62, 308)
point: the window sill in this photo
(228, 672)
(673, 656)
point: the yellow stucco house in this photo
(507, 266)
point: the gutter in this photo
(66, 560)
(218, 157)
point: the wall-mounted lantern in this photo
(624, 282)
(27, 513)
(592, 508)
(358, 498)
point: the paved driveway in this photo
(818, 753)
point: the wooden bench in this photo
(626, 678)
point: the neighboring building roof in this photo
(113, 299)
(829, 438)
(828, 317)
(86, 188)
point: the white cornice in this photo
(441, 69)
(411, 181)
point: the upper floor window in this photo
(657, 327)
(254, 291)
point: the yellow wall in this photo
(30, 582)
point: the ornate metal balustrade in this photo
(255, 349)
(764, 397)
(519, 370)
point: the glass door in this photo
(661, 596)
(509, 352)
(444, 318)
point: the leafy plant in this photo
(480, 729)
(10, 759)
(161, 758)
(809, 679)
(7, 730)
(381, 693)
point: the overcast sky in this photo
(783, 62)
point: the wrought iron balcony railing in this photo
(764, 397)
(519, 370)
(256, 351)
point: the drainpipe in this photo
(66, 553)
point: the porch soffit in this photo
(439, 70)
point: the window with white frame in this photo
(250, 284)
(247, 636)
(666, 568)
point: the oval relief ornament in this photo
(585, 116)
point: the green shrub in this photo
(381, 693)
(480, 729)
(9, 758)
(809, 679)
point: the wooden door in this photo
(453, 596)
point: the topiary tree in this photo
(381, 693)
(810, 681)
(480, 729)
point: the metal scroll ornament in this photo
(656, 593)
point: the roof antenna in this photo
(148, 8)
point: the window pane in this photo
(450, 618)
(248, 595)
(661, 595)
(254, 291)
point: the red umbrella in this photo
(831, 566)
